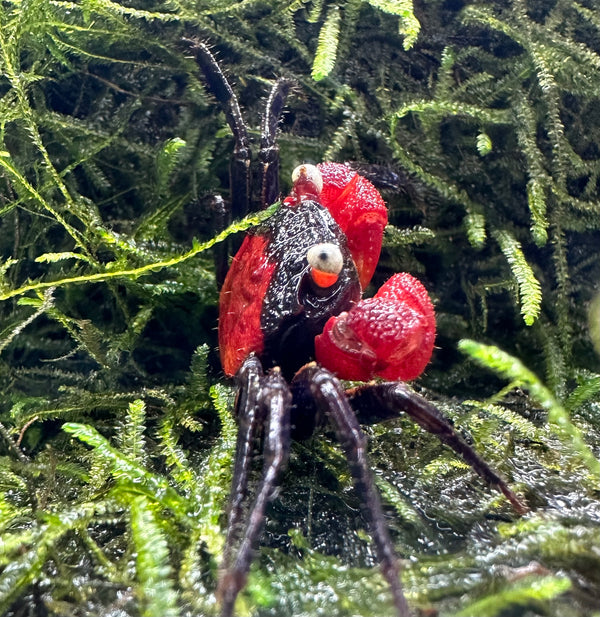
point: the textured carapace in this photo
(271, 303)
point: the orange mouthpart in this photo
(323, 279)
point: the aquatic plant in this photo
(480, 122)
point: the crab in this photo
(293, 326)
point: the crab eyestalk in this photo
(390, 335)
(308, 183)
(326, 262)
(359, 210)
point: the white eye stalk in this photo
(326, 262)
(307, 179)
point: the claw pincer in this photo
(390, 335)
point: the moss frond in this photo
(154, 573)
(533, 591)
(475, 120)
(521, 425)
(511, 368)
(409, 24)
(475, 226)
(131, 433)
(327, 46)
(27, 566)
(128, 471)
(529, 287)
(134, 273)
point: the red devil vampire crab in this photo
(291, 305)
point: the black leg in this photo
(274, 400)
(331, 399)
(269, 152)
(222, 91)
(248, 414)
(387, 400)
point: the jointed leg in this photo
(240, 162)
(387, 400)
(269, 152)
(239, 169)
(274, 401)
(331, 399)
(249, 417)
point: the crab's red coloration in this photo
(293, 294)
(389, 336)
(359, 210)
(240, 305)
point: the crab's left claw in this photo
(390, 335)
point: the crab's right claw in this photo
(390, 335)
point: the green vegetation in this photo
(480, 120)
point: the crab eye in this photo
(326, 262)
(308, 177)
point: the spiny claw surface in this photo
(390, 335)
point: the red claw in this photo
(390, 335)
(359, 210)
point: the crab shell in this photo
(269, 305)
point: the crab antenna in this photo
(222, 91)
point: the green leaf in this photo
(529, 287)
(327, 46)
(155, 588)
